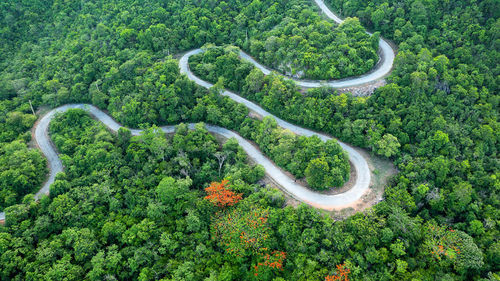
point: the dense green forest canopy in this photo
(122, 211)
(290, 32)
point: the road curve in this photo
(328, 202)
(318, 200)
(381, 69)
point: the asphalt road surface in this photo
(328, 202)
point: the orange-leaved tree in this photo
(241, 233)
(442, 242)
(272, 261)
(219, 195)
(342, 274)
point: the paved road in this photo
(315, 199)
(318, 200)
(382, 69)
(328, 202)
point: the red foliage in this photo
(220, 196)
(342, 274)
(241, 233)
(444, 243)
(244, 233)
(273, 260)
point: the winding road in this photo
(328, 202)
(381, 69)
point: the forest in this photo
(160, 207)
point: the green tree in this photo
(318, 174)
(388, 146)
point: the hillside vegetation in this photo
(157, 207)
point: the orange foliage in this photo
(241, 233)
(245, 233)
(273, 260)
(342, 274)
(444, 243)
(220, 196)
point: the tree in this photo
(221, 157)
(174, 194)
(342, 274)
(241, 232)
(318, 174)
(269, 261)
(220, 196)
(155, 141)
(21, 171)
(449, 246)
(377, 17)
(124, 136)
(388, 146)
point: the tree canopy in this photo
(133, 208)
